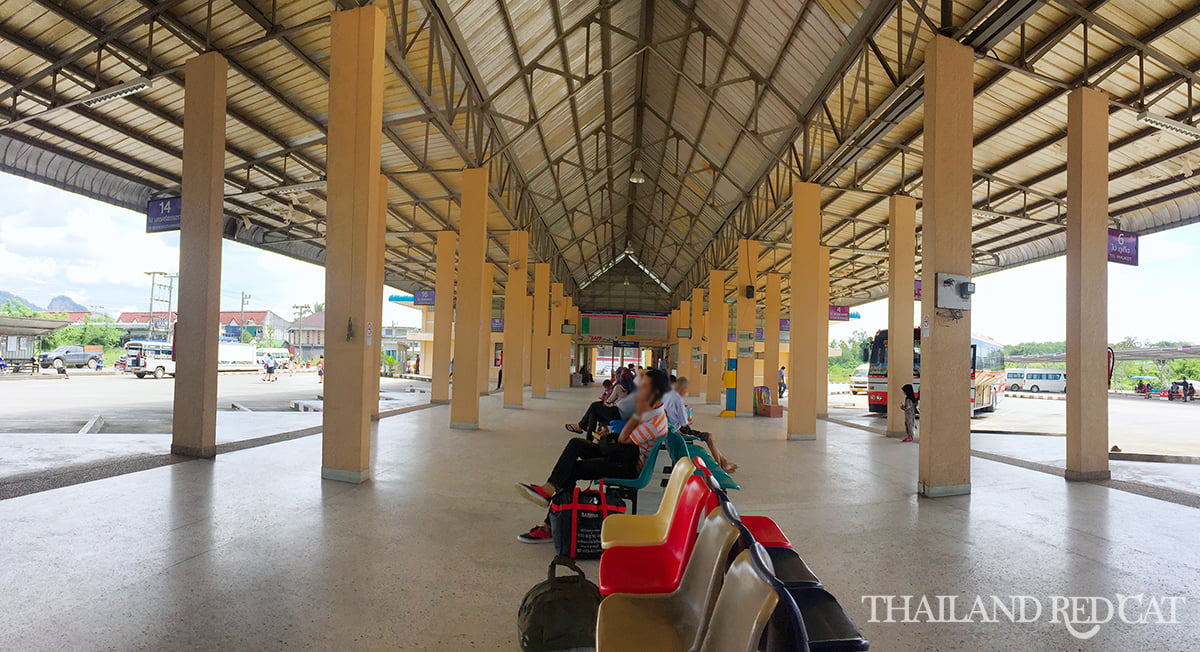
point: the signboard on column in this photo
(839, 313)
(745, 344)
(1122, 247)
(917, 290)
(163, 214)
(424, 297)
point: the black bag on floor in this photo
(575, 519)
(560, 613)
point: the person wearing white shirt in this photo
(677, 416)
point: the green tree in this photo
(12, 308)
(246, 337)
(318, 307)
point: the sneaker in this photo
(907, 439)
(534, 494)
(537, 534)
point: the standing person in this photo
(782, 381)
(500, 373)
(911, 412)
(270, 365)
(321, 370)
(417, 366)
(617, 457)
(663, 365)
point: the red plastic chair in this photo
(764, 528)
(658, 569)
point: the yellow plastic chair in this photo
(670, 622)
(648, 529)
(744, 606)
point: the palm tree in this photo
(319, 306)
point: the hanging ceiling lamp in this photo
(636, 176)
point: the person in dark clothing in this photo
(910, 412)
(599, 413)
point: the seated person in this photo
(621, 456)
(677, 416)
(599, 412)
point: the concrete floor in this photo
(255, 551)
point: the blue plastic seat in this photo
(678, 447)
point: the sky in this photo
(54, 242)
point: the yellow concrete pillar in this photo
(718, 335)
(822, 342)
(772, 307)
(945, 457)
(806, 308)
(443, 315)
(354, 232)
(902, 246)
(516, 320)
(194, 429)
(1087, 285)
(464, 400)
(374, 332)
(747, 308)
(557, 310)
(485, 331)
(682, 360)
(564, 343)
(540, 353)
(527, 374)
(692, 359)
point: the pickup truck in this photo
(70, 355)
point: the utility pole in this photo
(300, 309)
(242, 322)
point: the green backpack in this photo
(560, 613)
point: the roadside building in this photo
(307, 336)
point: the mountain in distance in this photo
(6, 296)
(64, 303)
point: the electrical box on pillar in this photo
(749, 291)
(954, 291)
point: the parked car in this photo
(71, 355)
(858, 379)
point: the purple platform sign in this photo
(785, 325)
(839, 313)
(424, 297)
(1122, 247)
(917, 289)
(497, 324)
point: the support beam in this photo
(945, 456)
(377, 252)
(747, 308)
(557, 310)
(527, 373)
(485, 331)
(464, 400)
(540, 353)
(194, 427)
(718, 335)
(772, 307)
(822, 343)
(683, 352)
(806, 308)
(354, 231)
(693, 354)
(1087, 285)
(902, 249)
(443, 316)
(516, 320)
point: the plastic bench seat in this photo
(648, 529)
(766, 531)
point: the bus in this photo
(988, 379)
(1037, 380)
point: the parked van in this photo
(150, 358)
(1037, 380)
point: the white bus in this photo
(1037, 380)
(987, 372)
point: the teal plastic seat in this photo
(629, 487)
(678, 447)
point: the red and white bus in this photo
(988, 378)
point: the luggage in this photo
(575, 519)
(560, 613)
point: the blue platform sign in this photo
(1122, 247)
(624, 344)
(497, 324)
(423, 297)
(163, 214)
